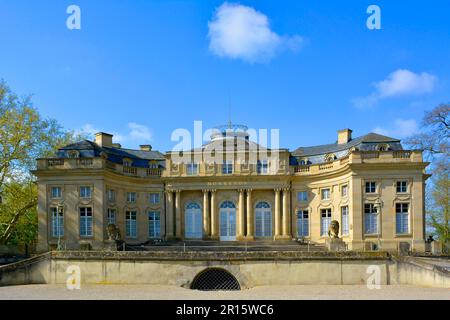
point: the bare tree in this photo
(434, 140)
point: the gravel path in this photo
(149, 292)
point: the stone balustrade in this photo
(360, 157)
(205, 169)
(98, 164)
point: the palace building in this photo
(369, 184)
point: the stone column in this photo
(178, 219)
(277, 216)
(286, 214)
(206, 219)
(44, 222)
(214, 217)
(169, 214)
(241, 216)
(250, 217)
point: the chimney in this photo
(103, 139)
(344, 136)
(146, 147)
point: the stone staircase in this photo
(232, 246)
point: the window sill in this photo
(403, 235)
(372, 235)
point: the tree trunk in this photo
(9, 230)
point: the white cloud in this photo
(139, 132)
(401, 82)
(401, 129)
(241, 32)
(136, 133)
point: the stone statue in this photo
(333, 230)
(113, 232)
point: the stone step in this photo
(264, 245)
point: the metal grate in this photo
(215, 280)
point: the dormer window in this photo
(383, 147)
(153, 165)
(330, 157)
(73, 154)
(304, 162)
(127, 162)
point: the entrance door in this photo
(227, 221)
(193, 221)
(263, 220)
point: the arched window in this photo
(193, 205)
(193, 225)
(263, 205)
(263, 220)
(227, 204)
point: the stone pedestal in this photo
(335, 244)
(436, 247)
(282, 238)
(110, 245)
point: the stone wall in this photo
(250, 269)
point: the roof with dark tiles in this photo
(89, 149)
(335, 147)
(142, 158)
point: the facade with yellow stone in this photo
(232, 189)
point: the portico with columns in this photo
(239, 201)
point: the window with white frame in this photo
(111, 195)
(154, 198)
(302, 196)
(131, 224)
(344, 191)
(402, 218)
(371, 187)
(154, 224)
(85, 192)
(402, 186)
(111, 216)
(56, 192)
(131, 197)
(370, 219)
(57, 222)
(227, 167)
(303, 223)
(344, 221)
(325, 194)
(263, 166)
(325, 221)
(192, 169)
(86, 222)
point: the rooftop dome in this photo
(230, 131)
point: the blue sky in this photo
(141, 69)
